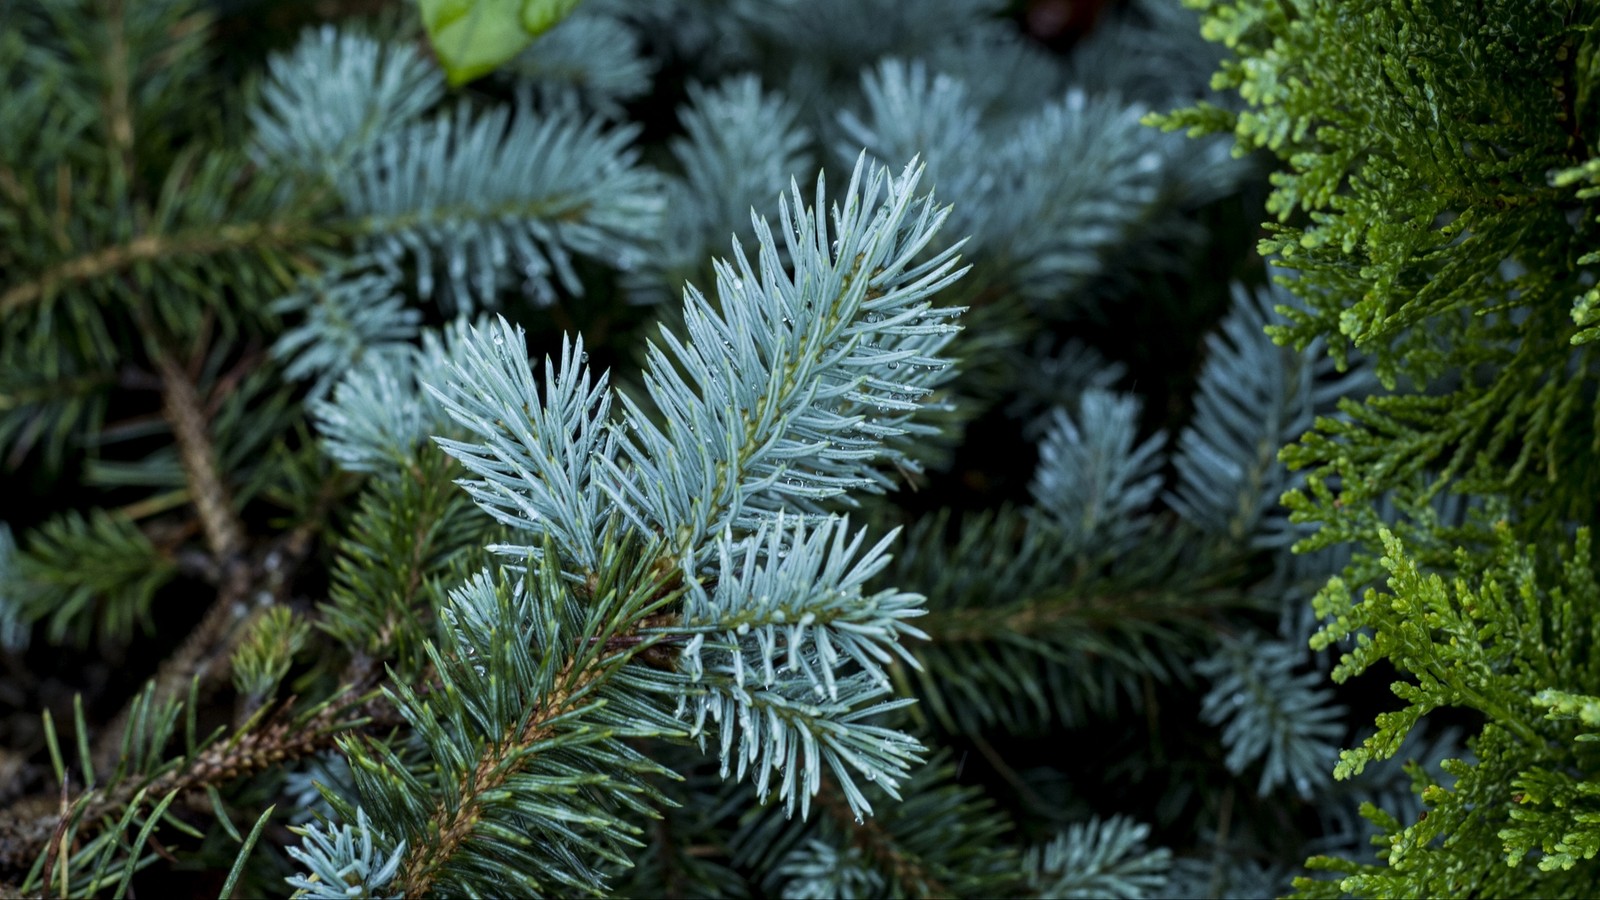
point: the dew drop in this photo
(738, 284)
(498, 340)
(894, 365)
(870, 775)
(860, 821)
(583, 357)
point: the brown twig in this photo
(276, 741)
(185, 412)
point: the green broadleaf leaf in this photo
(539, 16)
(472, 37)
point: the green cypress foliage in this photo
(1434, 204)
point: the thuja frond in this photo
(1388, 789)
(1359, 121)
(1432, 632)
(1473, 805)
(1509, 645)
(1463, 292)
(1558, 811)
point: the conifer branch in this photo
(500, 762)
(107, 261)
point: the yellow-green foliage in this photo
(1434, 198)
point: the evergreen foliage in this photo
(764, 448)
(1433, 202)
